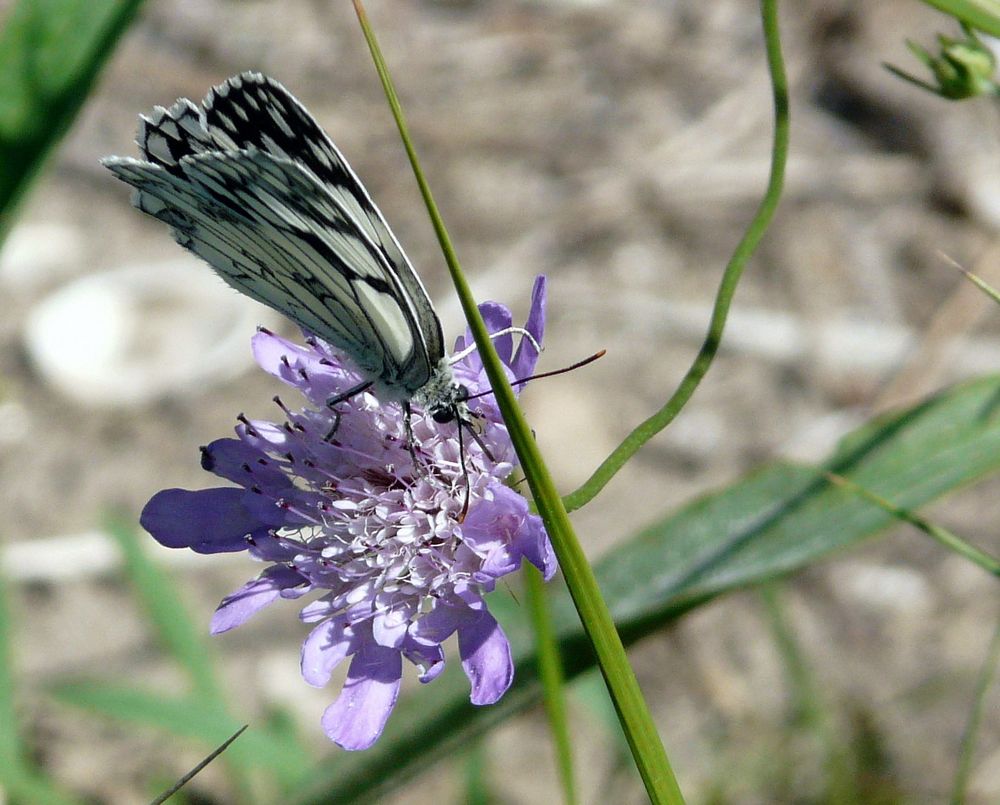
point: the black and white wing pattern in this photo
(250, 183)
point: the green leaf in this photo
(30, 788)
(51, 52)
(192, 718)
(771, 523)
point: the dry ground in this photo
(619, 148)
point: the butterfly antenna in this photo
(553, 373)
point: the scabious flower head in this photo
(334, 504)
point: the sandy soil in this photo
(619, 148)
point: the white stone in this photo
(35, 254)
(130, 335)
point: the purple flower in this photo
(344, 511)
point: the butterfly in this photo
(250, 183)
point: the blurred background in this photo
(620, 148)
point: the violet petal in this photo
(486, 658)
(252, 597)
(527, 356)
(325, 648)
(356, 719)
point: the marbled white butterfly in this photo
(250, 183)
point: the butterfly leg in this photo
(468, 423)
(336, 399)
(408, 428)
(465, 471)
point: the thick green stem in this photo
(637, 723)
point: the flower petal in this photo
(327, 645)
(252, 597)
(486, 658)
(206, 521)
(389, 628)
(304, 368)
(429, 659)
(536, 546)
(236, 461)
(497, 318)
(527, 356)
(501, 530)
(437, 625)
(358, 717)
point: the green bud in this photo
(964, 68)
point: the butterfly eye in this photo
(444, 415)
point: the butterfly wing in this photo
(252, 110)
(270, 231)
(248, 199)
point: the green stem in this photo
(950, 541)
(986, 675)
(982, 284)
(983, 15)
(477, 788)
(10, 744)
(727, 288)
(810, 705)
(637, 723)
(551, 674)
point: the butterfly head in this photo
(443, 397)
(452, 407)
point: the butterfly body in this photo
(250, 183)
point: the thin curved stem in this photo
(727, 288)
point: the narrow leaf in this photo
(176, 631)
(51, 52)
(775, 521)
(190, 718)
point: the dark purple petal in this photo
(496, 317)
(252, 597)
(206, 521)
(358, 716)
(327, 645)
(265, 508)
(527, 356)
(486, 658)
(236, 461)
